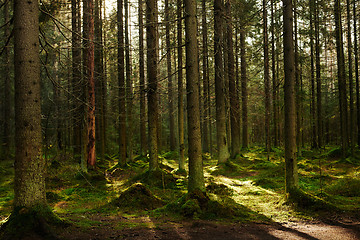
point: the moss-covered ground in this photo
(249, 188)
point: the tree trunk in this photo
(30, 208)
(143, 117)
(6, 117)
(356, 54)
(223, 152)
(77, 117)
(274, 80)
(206, 82)
(99, 79)
(88, 30)
(312, 74)
(266, 80)
(170, 79)
(244, 91)
(121, 82)
(291, 176)
(351, 81)
(152, 70)
(297, 84)
(196, 175)
(318, 77)
(341, 78)
(180, 89)
(129, 89)
(234, 98)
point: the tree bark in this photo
(180, 88)
(291, 176)
(129, 88)
(206, 82)
(6, 141)
(143, 115)
(234, 98)
(274, 80)
(121, 82)
(351, 81)
(266, 80)
(78, 108)
(89, 66)
(312, 74)
(170, 79)
(244, 91)
(318, 77)
(99, 81)
(196, 175)
(341, 78)
(356, 55)
(223, 152)
(152, 70)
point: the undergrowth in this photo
(247, 188)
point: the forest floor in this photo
(246, 195)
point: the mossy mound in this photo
(219, 189)
(138, 197)
(157, 178)
(198, 204)
(347, 187)
(171, 155)
(31, 223)
(227, 168)
(307, 201)
(335, 153)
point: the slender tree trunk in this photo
(266, 80)
(234, 98)
(170, 79)
(313, 103)
(351, 81)
(76, 76)
(274, 79)
(291, 176)
(129, 89)
(196, 175)
(356, 54)
(318, 78)
(99, 79)
(121, 82)
(88, 29)
(6, 141)
(206, 85)
(143, 116)
(297, 84)
(341, 77)
(180, 88)
(244, 91)
(223, 152)
(152, 70)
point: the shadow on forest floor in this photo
(250, 184)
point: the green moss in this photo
(38, 220)
(219, 189)
(308, 201)
(348, 187)
(171, 155)
(157, 178)
(138, 197)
